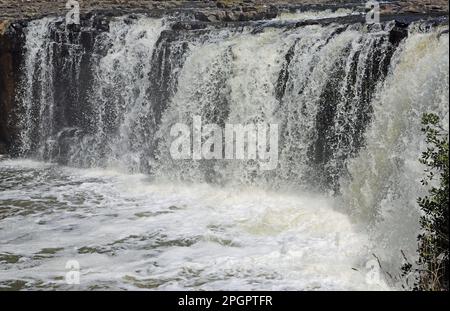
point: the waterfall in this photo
(36, 93)
(348, 99)
(385, 177)
(113, 123)
(122, 117)
(110, 100)
(312, 81)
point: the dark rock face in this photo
(208, 10)
(11, 45)
(229, 10)
(3, 149)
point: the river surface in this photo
(129, 232)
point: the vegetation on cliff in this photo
(433, 271)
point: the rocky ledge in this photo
(208, 10)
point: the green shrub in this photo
(433, 273)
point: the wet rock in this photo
(3, 26)
(211, 11)
(3, 149)
(398, 33)
(11, 46)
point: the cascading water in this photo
(114, 124)
(320, 98)
(37, 90)
(348, 99)
(316, 82)
(123, 119)
(386, 175)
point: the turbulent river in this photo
(128, 232)
(94, 181)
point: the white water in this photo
(129, 233)
(37, 48)
(386, 175)
(311, 15)
(120, 95)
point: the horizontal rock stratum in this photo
(231, 9)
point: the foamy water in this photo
(311, 15)
(129, 232)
